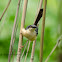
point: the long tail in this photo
(38, 17)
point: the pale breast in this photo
(30, 35)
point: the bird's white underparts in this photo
(30, 34)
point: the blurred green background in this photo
(53, 13)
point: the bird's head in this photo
(31, 27)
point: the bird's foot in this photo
(21, 47)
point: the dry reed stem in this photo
(22, 26)
(13, 56)
(42, 31)
(40, 5)
(17, 23)
(24, 50)
(12, 37)
(5, 9)
(33, 47)
(27, 51)
(19, 16)
(33, 50)
(60, 38)
(2, 25)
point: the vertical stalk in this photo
(22, 26)
(13, 56)
(33, 50)
(34, 42)
(40, 5)
(12, 37)
(24, 50)
(42, 31)
(27, 51)
(5, 10)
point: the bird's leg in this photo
(21, 46)
(24, 44)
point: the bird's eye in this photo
(30, 27)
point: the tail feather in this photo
(38, 17)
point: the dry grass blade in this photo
(42, 31)
(60, 38)
(12, 37)
(24, 50)
(22, 26)
(33, 47)
(40, 5)
(32, 53)
(2, 25)
(5, 9)
(27, 51)
(13, 56)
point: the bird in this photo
(31, 31)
